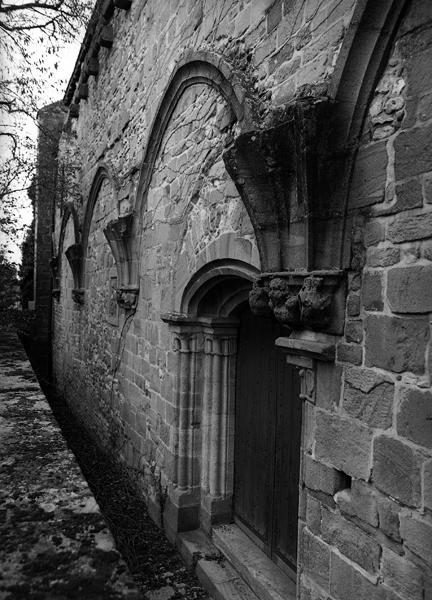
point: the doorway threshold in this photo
(266, 579)
(231, 567)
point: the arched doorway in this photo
(248, 399)
(267, 439)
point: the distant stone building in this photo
(243, 280)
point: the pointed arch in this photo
(103, 172)
(69, 212)
(193, 68)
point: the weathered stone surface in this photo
(359, 501)
(397, 470)
(409, 289)
(350, 353)
(407, 228)
(354, 331)
(402, 576)
(353, 305)
(315, 555)
(372, 290)
(321, 477)
(382, 256)
(388, 513)
(347, 582)
(374, 233)
(344, 443)
(350, 540)
(417, 535)
(414, 419)
(413, 152)
(368, 396)
(369, 175)
(397, 344)
(427, 485)
(408, 196)
(313, 515)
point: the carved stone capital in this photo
(127, 297)
(78, 296)
(315, 300)
(301, 300)
(259, 298)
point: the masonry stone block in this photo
(351, 541)
(368, 396)
(402, 576)
(386, 256)
(354, 331)
(414, 419)
(396, 343)
(413, 152)
(344, 443)
(408, 196)
(320, 477)
(397, 469)
(350, 353)
(407, 228)
(409, 289)
(274, 15)
(416, 533)
(374, 233)
(369, 176)
(388, 515)
(313, 515)
(353, 305)
(427, 485)
(347, 582)
(372, 290)
(315, 557)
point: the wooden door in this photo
(267, 439)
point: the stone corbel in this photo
(304, 351)
(301, 300)
(74, 255)
(119, 236)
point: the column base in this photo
(181, 513)
(215, 511)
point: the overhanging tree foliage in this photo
(31, 37)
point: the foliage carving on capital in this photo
(259, 298)
(127, 297)
(284, 301)
(300, 300)
(316, 302)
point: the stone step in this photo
(261, 574)
(216, 574)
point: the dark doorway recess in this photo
(267, 440)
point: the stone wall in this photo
(371, 537)
(366, 507)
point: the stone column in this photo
(218, 421)
(182, 506)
